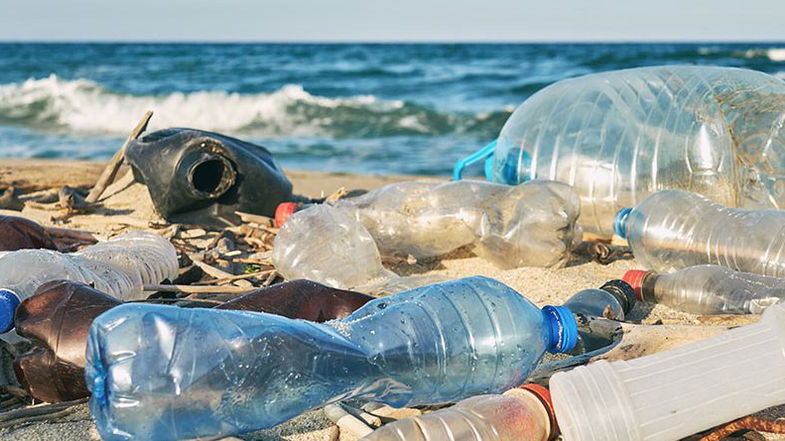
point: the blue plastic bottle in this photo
(166, 373)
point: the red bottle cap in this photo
(634, 278)
(283, 211)
(544, 395)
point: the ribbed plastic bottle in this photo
(167, 373)
(618, 136)
(327, 245)
(521, 414)
(57, 321)
(523, 225)
(671, 230)
(119, 267)
(612, 300)
(673, 394)
(708, 289)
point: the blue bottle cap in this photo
(620, 222)
(9, 301)
(564, 328)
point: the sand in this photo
(130, 204)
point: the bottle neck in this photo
(620, 222)
(622, 292)
(562, 328)
(9, 302)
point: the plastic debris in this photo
(17, 233)
(151, 377)
(612, 300)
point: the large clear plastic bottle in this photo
(533, 224)
(619, 136)
(521, 414)
(673, 394)
(119, 267)
(672, 229)
(708, 289)
(167, 373)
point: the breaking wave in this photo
(83, 106)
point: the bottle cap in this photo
(620, 222)
(544, 395)
(283, 211)
(635, 279)
(9, 301)
(564, 329)
(623, 291)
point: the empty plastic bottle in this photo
(119, 267)
(619, 136)
(671, 230)
(524, 225)
(521, 414)
(57, 320)
(673, 394)
(166, 373)
(325, 244)
(612, 300)
(708, 289)
(17, 233)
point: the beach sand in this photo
(132, 206)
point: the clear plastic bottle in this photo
(619, 136)
(524, 225)
(521, 414)
(670, 395)
(166, 373)
(671, 230)
(119, 267)
(708, 289)
(612, 300)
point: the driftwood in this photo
(9, 201)
(110, 172)
(202, 289)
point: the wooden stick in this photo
(71, 234)
(190, 289)
(237, 277)
(110, 172)
(255, 218)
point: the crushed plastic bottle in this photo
(673, 394)
(618, 136)
(708, 289)
(57, 321)
(166, 373)
(521, 414)
(119, 267)
(612, 300)
(17, 233)
(671, 230)
(524, 225)
(325, 244)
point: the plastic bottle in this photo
(671, 230)
(619, 136)
(165, 373)
(524, 225)
(612, 300)
(521, 414)
(57, 320)
(708, 289)
(673, 394)
(325, 244)
(119, 267)
(17, 233)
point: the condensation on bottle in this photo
(619, 136)
(164, 373)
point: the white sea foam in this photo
(773, 54)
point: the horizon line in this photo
(382, 42)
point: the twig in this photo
(747, 423)
(110, 172)
(83, 236)
(249, 217)
(191, 289)
(233, 278)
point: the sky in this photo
(392, 20)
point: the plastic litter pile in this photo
(680, 166)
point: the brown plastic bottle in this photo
(58, 317)
(17, 233)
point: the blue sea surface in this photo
(368, 108)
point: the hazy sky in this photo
(392, 20)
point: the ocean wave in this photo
(773, 54)
(85, 107)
